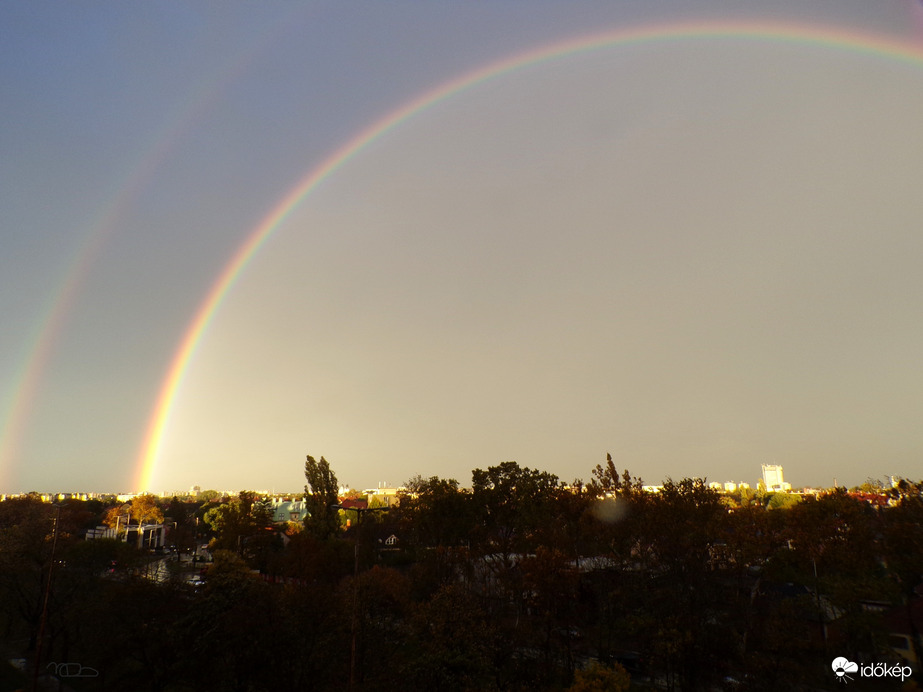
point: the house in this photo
(902, 624)
(288, 510)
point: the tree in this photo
(675, 600)
(513, 502)
(27, 527)
(232, 628)
(550, 588)
(146, 509)
(452, 645)
(903, 547)
(320, 495)
(606, 480)
(782, 500)
(118, 516)
(143, 509)
(244, 525)
(435, 512)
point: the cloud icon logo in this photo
(841, 666)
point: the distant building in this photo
(288, 510)
(734, 486)
(772, 479)
(385, 496)
(728, 486)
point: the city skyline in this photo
(727, 485)
(435, 239)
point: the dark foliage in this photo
(516, 584)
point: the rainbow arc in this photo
(840, 39)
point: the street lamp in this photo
(175, 537)
(118, 521)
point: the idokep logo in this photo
(842, 667)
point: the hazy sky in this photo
(697, 254)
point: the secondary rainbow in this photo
(15, 410)
(835, 38)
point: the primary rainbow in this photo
(837, 38)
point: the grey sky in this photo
(697, 255)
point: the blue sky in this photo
(697, 255)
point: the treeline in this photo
(519, 582)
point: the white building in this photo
(772, 479)
(386, 495)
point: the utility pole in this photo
(45, 598)
(355, 619)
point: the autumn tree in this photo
(599, 678)
(118, 517)
(145, 509)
